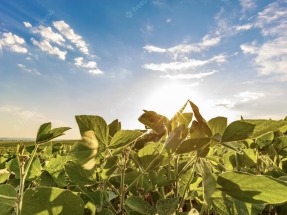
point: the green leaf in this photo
(34, 171)
(154, 121)
(200, 119)
(255, 189)
(237, 130)
(166, 206)
(114, 127)
(4, 175)
(45, 133)
(109, 167)
(105, 211)
(209, 183)
(139, 205)
(174, 139)
(80, 176)
(250, 129)
(7, 205)
(123, 138)
(226, 205)
(217, 125)
(97, 124)
(46, 201)
(281, 145)
(148, 153)
(46, 180)
(190, 145)
(90, 207)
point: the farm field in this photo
(183, 165)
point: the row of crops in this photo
(183, 165)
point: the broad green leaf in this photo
(83, 153)
(45, 133)
(200, 119)
(139, 205)
(114, 127)
(250, 129)
(247, 158)
(34, 171)
(148, 153)
(7, 205)
(190, 145)
(254, 189)
(123, 138)
(166, 206)
(265, 140)
(96, 124)
(56, 164)
(90, 207)
(46, 180)
(281, 145)
(109, 167)
(80, 176)
(105, 211)
(226, 205)
(196, 131)
(4, 175)
(174, 139)
(48, 200)
(265, 126)
(229, 160)
(154, 121)
(238, 130)
(209, 183)
(217, 125)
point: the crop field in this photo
(184, 165)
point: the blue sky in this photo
(116, 58)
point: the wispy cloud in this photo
(69, 33)
(240, 98)
(91, 66)
(188, 76)
(247, 5)
(13, 43)
(25, 69)
(182, 49)
(180, 66)
(271, 56)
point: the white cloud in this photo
(180, 50)
(188, 76)
(168, 20)
(23, 113)
(247, 96)
(247, 5)
(13, 43)
(243, 27)
(178, 66)
(45, 46)
(91, 66)
(151, 49)
(69, 33)
(25, 69)
(240, 98)
(47, 33)
(271, 56)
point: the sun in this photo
(169, 98)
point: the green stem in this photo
(176, 175)
(186, 166)
(122, 185)
(8, 197)
(23, 175)
(187, 185)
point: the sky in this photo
(115, 59)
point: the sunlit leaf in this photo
(123, 138)
(48, 200)
(45, 133)
(138, 204)
(255, 189)
(154, 121)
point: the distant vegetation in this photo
(182, 165)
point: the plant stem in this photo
(122, 185)
(176, 175)
(23, 175)
(8, 197)
(187, 185)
